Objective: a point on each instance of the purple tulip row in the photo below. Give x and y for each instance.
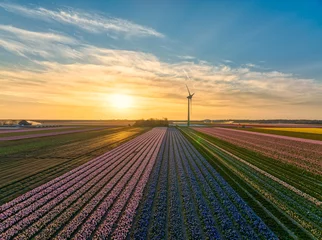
(175, 218)
(244, 220)
(36, 135)
(299, 153)
(158, 185)
(204, 207)
(46, 209)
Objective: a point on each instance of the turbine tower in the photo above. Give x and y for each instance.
(189, 104)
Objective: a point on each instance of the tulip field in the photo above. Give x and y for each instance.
(174, 183)
(96, 199)
(303, 153)
(187, 199)
(29, 163)
(280, 177)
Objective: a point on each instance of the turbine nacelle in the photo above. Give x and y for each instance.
(190, 96)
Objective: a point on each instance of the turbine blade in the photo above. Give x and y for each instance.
(188, 90)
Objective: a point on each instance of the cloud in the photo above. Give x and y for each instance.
(251, 65)
(47, 45)
(68, 71)
(143, 74)
(88, 21)
(186, 57)
(27, 35)
(13, 46)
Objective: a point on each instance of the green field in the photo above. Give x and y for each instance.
(28, 163)
(285, 211)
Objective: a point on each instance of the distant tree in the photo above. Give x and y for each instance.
(152, 122)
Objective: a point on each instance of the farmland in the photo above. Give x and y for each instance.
(284, 190)
(12, 136)
(161, 183)
(28, 163)
(77, 203)
(306, 154)
(187, 199)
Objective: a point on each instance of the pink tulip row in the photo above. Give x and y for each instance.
(69, 193)
(122, 192)
(79, 219)
(299, 153)
(36, 135)
(124, 224)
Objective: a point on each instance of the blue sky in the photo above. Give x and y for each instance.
(249, 59)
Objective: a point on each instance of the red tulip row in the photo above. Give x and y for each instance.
(85, 195)
(299, 152)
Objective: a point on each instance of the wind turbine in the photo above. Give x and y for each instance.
(189, 104)
(189, 98)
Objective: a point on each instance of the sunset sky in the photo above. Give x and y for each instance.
(127, 59)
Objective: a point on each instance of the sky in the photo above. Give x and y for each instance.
(131, 59)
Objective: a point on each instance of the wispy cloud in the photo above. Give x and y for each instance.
(107, 70)
(13, 46)
(91, 22)
(94, 72)
(44, 44)
(27, 35)
(186, 57)
(251, 65)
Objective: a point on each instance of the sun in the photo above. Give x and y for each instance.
(121, 101)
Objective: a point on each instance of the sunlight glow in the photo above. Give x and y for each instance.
(121, 101)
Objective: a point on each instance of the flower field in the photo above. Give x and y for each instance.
(25, 165)
(170, 183)
(285, 194)
(303, 153)
(96, 199)
(187, 199)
